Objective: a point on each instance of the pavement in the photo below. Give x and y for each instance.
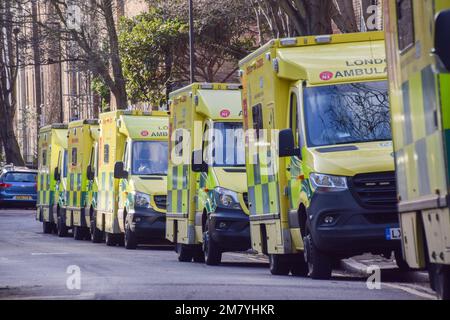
(44, 267)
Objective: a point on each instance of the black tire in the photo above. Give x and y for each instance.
(211, 250)
(47, 227)
(319, 264)
(279, 264)
(184, 254)
(96, 234)
(111, 239)
(63, 231)
(199, 256)
(78, 233)
(131, 242)
(441, 280)
(401, 263)
(299, 267)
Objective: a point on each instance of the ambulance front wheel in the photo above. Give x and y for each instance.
(211, 250)
(79, 233)
(131, 242)
(96, 234)
(319, 264)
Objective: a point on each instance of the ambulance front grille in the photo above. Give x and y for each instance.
(161, 202)
(375, 190)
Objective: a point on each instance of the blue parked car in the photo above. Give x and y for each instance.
(18, 188)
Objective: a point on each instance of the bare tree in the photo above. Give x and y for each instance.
(288, 18)
(88, 29)
(9, 49)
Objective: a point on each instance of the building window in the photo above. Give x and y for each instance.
(405, 24)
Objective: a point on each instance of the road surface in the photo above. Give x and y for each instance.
(38, 266)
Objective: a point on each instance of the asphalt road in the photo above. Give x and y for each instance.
(35, 266)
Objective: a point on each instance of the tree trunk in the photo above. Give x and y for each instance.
(119, 91)
(37, 66)
(8, 77)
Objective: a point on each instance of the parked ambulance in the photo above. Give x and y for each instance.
(207, 187)
(132, 178)
(418, 46)
(52, 173)
(80, 190)
(320, 165)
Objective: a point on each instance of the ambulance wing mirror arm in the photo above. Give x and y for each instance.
(57, 174)
(441, 41)
(119, 171)
(198, 164)
(286, 145)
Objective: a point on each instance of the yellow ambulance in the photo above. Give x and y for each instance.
(52, 148)
(418, 50)
(207, 187)
(320, 165)
(132, 177)
(82, 135)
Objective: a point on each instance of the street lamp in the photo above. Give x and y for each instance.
(191, 41)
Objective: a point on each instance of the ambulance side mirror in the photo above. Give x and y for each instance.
(286, 145)
(198, 165)
(90, 174)
(441, 40)
(119, 171)
(57, 174)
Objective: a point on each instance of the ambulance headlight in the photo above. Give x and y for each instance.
(141, 200)
(227, 199)
(327, 182)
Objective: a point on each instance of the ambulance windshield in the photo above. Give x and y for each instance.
(228, 148)
(347, 113)
(150, 158)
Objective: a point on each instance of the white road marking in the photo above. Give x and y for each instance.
(49, 253)
(410, 291)
(83, 296)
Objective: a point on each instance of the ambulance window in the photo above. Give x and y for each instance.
(179, 143)
(405, 24)
(258, 124)
(126, 155)
(64, 164)
(44, 158)
(74, 156)
(106, 153)
(294, 116)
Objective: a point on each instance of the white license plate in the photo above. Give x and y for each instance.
(393, 234)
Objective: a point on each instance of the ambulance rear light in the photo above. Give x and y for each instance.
(206, 86)
(323, 39)
(240, 73)
(288, 42)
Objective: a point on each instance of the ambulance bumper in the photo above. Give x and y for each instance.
(354, 229)
(230, 229)
(148, 224)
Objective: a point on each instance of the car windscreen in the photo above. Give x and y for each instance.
(347, 113)
(150, 158)
(20, 177)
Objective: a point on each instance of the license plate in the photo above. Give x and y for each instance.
(23, 198)
(393, 234)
